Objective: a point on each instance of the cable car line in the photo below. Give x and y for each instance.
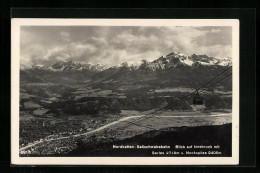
(151, 114)
(217, 82)
(213, 78)
(217, 75)
(205, 89)
(186, 95)
(163, 108)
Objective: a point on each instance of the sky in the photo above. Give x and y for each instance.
(113, 45)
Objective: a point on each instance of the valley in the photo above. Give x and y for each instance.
(68, 105)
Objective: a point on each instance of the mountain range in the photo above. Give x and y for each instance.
(172, 70)
(66, 85)
(170, 61)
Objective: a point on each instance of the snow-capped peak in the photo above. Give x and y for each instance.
(70, 66)
(170, 61)
(174, 60)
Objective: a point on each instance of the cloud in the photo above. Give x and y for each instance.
(65, 36)
(215, 30)
(220, 51)
(114, 45)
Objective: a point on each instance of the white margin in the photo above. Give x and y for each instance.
(15, 78)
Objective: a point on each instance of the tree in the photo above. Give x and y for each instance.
(144, 64)
(125, 64)
(144, 61)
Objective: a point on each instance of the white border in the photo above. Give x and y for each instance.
(15, 78)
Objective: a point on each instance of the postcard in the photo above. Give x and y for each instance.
(124, 91)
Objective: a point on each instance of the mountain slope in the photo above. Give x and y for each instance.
(68, 66)
(170, 61)
(173, 70)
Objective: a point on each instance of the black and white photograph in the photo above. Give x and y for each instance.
(125, 91)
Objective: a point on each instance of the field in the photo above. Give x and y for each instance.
(114, 130)
(57, 118)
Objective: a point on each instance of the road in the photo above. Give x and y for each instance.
(82, 134)
(125, 119)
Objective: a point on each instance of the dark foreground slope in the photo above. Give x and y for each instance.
(185, 136)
